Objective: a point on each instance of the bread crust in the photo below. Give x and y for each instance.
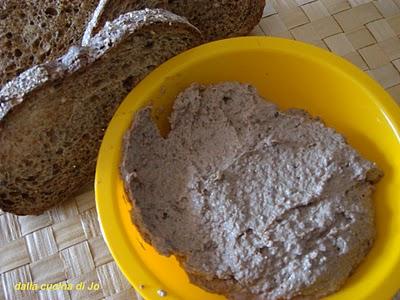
(212, 29)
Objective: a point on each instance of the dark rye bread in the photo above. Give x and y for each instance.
(36, 31)
(216, 19)
(53, 116)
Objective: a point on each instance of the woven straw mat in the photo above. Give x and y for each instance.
(65, 244)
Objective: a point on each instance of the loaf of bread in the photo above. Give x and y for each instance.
(217, 19)
(36, 31)
(53, 116)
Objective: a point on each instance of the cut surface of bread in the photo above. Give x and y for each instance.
(216, 19)
(53, 116)
(36, 31)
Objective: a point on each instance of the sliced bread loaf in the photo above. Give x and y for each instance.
(53, 116)
(36, 31)
(216, 19)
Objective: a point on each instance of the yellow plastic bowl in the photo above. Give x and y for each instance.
(291, 74)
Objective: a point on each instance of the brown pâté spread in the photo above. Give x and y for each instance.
(273, 202)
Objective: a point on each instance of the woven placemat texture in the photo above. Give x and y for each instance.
(65, 245)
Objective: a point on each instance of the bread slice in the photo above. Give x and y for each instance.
(216, 19)
(53, 116)
(36, 31)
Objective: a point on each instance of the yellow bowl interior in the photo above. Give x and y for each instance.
(291, 74)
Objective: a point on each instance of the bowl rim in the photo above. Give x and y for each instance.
(116, 240)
